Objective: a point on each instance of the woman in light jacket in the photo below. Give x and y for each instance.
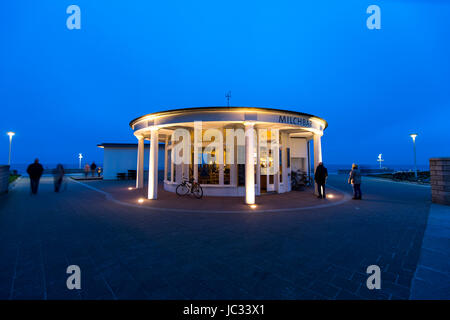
(355, 180)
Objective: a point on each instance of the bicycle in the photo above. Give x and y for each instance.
(190, 186)
(300, 180)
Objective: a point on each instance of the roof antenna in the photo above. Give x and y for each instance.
(228, 96)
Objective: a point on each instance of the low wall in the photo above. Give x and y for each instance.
(440, 180)
(4, 178)
(366, 171)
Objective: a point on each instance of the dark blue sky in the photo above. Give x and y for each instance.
(63, 91)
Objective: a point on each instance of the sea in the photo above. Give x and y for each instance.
(22, 167)
(332, 168)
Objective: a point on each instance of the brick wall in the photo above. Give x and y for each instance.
(4, 178)
(440, 180)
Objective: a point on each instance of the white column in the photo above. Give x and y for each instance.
(275, 146)
(221, 162)
(317, 156)
(198, 147)
(285, 141)
(195, 164)
(166, 161)
(140, 164)
(233, 167)
(308, 160)
(153, 165)
(172, 166)
(258, 163)
(249, 164)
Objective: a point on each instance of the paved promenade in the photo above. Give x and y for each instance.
(131, 252)
(432, 276)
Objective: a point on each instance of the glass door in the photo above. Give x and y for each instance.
(267, 169)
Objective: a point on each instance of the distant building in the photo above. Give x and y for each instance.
(121, 157)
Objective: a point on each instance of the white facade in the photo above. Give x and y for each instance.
(119, 158)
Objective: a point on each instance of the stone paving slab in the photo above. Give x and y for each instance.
(120, 190)
(126, 252)
(432, 277)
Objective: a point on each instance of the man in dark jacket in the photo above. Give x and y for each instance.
(35, 172)
(320, 177)
(93, 167)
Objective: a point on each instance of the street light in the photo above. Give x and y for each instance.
(380, 159)
(80, 156)
(413, 136)
(10, 134)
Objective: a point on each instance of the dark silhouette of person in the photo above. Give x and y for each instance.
(320, 177)
(93, 167)
(35, 171)
(58, 175)
(355, 180)
(87, 168)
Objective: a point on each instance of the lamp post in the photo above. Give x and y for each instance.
(10, 134)
(380, 159)
(80, 156)
(413, 136)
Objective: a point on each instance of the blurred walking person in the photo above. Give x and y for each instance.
(87, 168)
(58, 175)
(93, 167)
(35, 171)
(320, 177)
(355, 180)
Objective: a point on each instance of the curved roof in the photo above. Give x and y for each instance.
(222, 108)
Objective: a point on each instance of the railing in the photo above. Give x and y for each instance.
(4, 178)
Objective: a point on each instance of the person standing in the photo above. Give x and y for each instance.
(93, 167)
(35, 171)
(58, 176)
(87, 168)
(355, 180)
(320, 177)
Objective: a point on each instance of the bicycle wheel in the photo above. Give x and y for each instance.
(182, 189)
(197, 191)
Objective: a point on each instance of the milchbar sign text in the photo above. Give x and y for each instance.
(295, 120)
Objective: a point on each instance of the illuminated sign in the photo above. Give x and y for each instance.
(299, 121)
